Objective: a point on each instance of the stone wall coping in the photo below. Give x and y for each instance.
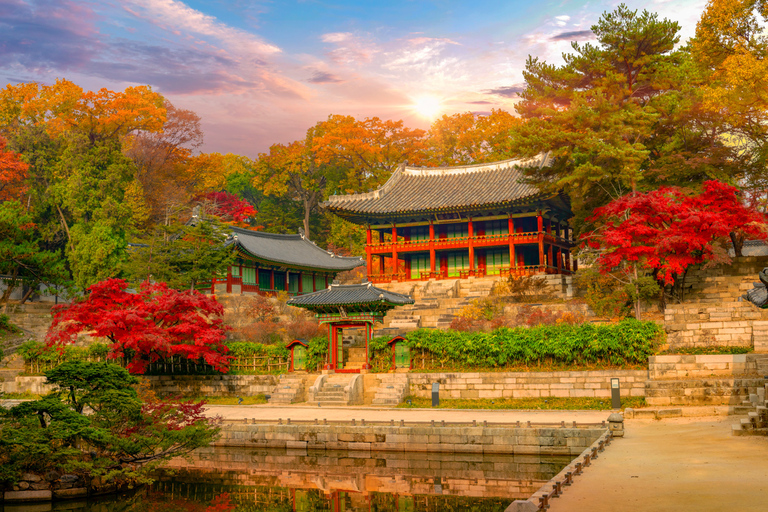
(701, 358)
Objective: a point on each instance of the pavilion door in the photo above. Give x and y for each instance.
(339, 350)
(402, 356)
(299, 357)
(293, 284)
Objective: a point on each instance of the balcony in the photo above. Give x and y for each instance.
(439, 244)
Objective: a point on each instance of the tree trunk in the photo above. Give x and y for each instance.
(10, 286)
(637, 295)
(738, 242)
(307, 210)
(66, 227)
(27, 295)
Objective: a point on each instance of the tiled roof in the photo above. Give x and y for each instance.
(293, 250)
(343, 294)
(415, 189)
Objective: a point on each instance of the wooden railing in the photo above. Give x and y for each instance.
(477, 240)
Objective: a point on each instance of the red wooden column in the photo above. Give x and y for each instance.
(287, 282)
(394, 250)
(301, 283)
(368, 255)
(540, 225)
(559, 260)
(271, 279)
(368, 336)
(549, 260)
(511, 229)
(471, 233)
(314, 288)
(229, 282)
(431, 249)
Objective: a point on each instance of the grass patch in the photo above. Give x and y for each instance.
(701, 351)
(19, 396)
(546, 403)
(226, 400)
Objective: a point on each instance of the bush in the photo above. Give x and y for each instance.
(629, 342)
(606, 295)
(531, 317)
(6, 325)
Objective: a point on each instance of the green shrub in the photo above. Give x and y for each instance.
(626, 343)
(6, 325)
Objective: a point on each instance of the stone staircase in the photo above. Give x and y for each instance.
(756, 409)
(393, 387)
(335, 390)
(289, 390)
(709, 391)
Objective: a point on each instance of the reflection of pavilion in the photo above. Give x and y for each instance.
(349, 307)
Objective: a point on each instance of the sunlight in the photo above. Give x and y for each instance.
(427, 107)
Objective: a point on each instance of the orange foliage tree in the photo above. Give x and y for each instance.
(467, 138)
(13, 172)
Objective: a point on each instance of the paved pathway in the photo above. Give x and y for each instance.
(675, 465)
(268, 412)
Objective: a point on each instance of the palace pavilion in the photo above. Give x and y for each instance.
(456, 222)
(268, 263)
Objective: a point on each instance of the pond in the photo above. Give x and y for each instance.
(250, 480)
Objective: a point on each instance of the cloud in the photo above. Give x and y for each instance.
(576, 35)
(177, 16)
(509, 91)
(323, 77)
(349, 48)
(561, 21)
(43, 34)
(336, 37)
(480, 102)
(424, 40)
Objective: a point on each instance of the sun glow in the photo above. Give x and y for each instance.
(427, 107)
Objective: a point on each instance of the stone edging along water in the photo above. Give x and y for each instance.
(551, 439)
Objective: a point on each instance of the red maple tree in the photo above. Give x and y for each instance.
(666, 231)
(155, 323)
(13, 172)
(228, 207)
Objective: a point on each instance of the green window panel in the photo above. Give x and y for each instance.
(306, 283)
(264, 280)
(457, 230)
(280, 281)
(495, 259)
(419, 264)
(249, 275)
(420, 233)
(235, 271)
(457, 261)
(319, 282)
(293, 283)
(497, 227)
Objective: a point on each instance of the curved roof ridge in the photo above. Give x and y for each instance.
(373, 194)
(540, 159)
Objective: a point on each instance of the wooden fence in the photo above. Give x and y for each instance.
(176, 366)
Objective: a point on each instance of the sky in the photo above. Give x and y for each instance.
(262, 72)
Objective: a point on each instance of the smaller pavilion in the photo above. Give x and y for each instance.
(351, 306)
(269, 263)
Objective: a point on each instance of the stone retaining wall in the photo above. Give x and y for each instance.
(703, 366)
(727, 324)
(701, 391)
(462, 439)
(211, 385)
(591, 384)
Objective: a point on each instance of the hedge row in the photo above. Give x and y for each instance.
(626, 343)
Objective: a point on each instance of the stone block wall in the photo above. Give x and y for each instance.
(723, 283)
(727, 324)
(450, 439)
(592, 384)
(704, 366)
(213, 385)
(712, 391)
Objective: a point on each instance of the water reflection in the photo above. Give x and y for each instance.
(245, 480)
